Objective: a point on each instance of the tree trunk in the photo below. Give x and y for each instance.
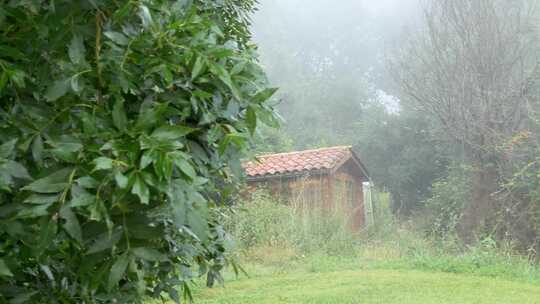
(479, 214)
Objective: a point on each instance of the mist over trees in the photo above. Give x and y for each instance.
(335, 88)
(434, 95)
(328, 61)
(473, 68)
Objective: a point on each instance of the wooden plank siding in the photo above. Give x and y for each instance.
(330, 180)
(340, 191)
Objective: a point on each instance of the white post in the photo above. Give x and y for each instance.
(368, 204)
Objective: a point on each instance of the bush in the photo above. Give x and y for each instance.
(121, 127)
(444, 209)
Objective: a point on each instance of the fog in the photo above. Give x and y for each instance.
(330, 54)
(321, 35)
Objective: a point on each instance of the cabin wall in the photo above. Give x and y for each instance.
(348, 195)
(339, 192)
(300, 192)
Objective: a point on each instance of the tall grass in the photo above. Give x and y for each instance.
(278, 234)
(261, 221)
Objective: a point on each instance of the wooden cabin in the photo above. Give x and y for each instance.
(329, 179)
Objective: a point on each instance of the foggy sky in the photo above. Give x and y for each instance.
(348, 36)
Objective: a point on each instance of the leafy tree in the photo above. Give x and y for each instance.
(470, 67)
(271, 140)
(404, 153)
(121, 128)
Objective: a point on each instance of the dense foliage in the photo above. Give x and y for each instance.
(404, 154)
(121, 128)
(485, 99)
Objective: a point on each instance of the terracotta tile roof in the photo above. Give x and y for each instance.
(297, 162)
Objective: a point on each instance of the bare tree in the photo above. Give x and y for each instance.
(470, 67)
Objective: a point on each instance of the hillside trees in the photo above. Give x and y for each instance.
(121, 128)
(470, 68)
(321, 67)
(403, 152)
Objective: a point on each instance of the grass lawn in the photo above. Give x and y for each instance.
(371, 286)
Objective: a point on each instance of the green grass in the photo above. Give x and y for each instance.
(376, 275)
(310, 260)
(371, 286)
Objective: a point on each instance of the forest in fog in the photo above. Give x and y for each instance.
(440, 101)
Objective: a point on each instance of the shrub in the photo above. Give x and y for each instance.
(120, 121)
(449, 196)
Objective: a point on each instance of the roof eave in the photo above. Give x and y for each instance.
(288, 175)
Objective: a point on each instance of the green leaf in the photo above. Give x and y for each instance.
(251, 120)
(10, 51)
(186, 168)
(15, 169)
(177, 202)
(117, 270)
(37, 149)
(47, 271)
(7, 148)
(121, 179)
(150, 114)
(103, 163)
(264, 95)
(225, 77)
(23, 298)
(71, 225)
(87, 182)
(77, 50)
(238, 68)
(236, 167)
(66, 151)
(169, 133)
(119, 115)
(48, 228)
(198, 225)
(117, 37)
(149, 254)
(105, 241)
(58, 89)
(146, 17)
(17, 77)
(4, 270)
(53, 183)
(33, 212)
(146, 159)
(75, 85)
(39, 199)
(197, 68)
(81, 198)
(197, 220)
(141, 190)
(98, 212)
